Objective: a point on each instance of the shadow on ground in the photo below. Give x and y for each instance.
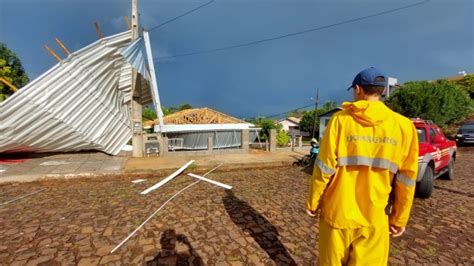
(259, 228)
(176, 250)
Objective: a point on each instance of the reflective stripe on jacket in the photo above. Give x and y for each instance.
(363, 147)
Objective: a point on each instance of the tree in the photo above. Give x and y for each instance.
(308, 119)
(442, 102)
(185, 106)
(148, 114)
(266, 124)
(11, 70)
(328, 106)
(174, 109)
(166, 111)
(467, 83)
(295, 113)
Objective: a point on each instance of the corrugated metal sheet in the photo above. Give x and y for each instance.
(135, 56)
(82, 103)
(198, 140)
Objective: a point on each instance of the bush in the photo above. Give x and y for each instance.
(441, 101)
(467, 84)
(307, 121)
(266, 125)
(282, 138)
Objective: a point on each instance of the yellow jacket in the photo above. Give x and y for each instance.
(363, 147)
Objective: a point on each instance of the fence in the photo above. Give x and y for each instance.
(190, 141)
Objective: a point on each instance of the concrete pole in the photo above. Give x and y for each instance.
(210, 145)
(245, 141)
(273, 144)
(163, 146)
(137, 124)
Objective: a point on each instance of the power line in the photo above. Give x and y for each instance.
(294, 33)
(180, 16)
(295, 109)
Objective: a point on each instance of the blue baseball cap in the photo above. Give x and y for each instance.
(371, 77)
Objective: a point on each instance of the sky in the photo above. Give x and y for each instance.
(425, 42)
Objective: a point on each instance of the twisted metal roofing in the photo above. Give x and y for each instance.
(82, 103)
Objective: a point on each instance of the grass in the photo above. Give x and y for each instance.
(394, 251)
(430, 251)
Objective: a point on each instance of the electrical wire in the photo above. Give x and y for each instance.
(180, 16)
(293, 33)
(161, 207)
(296, 109)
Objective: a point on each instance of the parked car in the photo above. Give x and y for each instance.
(436, 156)
(465, 134)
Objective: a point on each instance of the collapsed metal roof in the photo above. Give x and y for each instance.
(82, 103)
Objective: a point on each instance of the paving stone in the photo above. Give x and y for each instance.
(18, 263)
(49, 251)
(108, 231)
(87, 230)
(148, 249)
(253, 259)
(45, 242)
(89, 261)
(25, 256)
(40, 260)
(145, 241)
(102, 251)
(241, 241)
(109, 258)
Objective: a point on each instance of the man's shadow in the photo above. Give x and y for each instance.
(170, 256)
(259, 228)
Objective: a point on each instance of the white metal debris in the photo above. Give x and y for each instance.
(210, 181)
(162, 206)
(166, 180)
(82, 103)
(24, 196)
(75, 105)
(154, 85)
(138, 181)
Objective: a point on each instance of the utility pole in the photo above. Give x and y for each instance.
(316, 103)
(137, 124)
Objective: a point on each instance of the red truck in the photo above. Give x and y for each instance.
(436, 156)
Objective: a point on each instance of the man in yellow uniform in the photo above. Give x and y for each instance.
(367, 150)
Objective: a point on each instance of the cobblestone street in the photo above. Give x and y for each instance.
(261, 221)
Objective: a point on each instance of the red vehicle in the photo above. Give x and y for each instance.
(436, 157)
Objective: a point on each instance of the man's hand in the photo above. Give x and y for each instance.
(311, 213)
(396, 231)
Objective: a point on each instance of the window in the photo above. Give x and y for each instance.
(467, 127)
(421, 134)
(432, 135)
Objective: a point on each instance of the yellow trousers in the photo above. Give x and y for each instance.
(354, 246)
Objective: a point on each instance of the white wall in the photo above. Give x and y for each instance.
(286, 124)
